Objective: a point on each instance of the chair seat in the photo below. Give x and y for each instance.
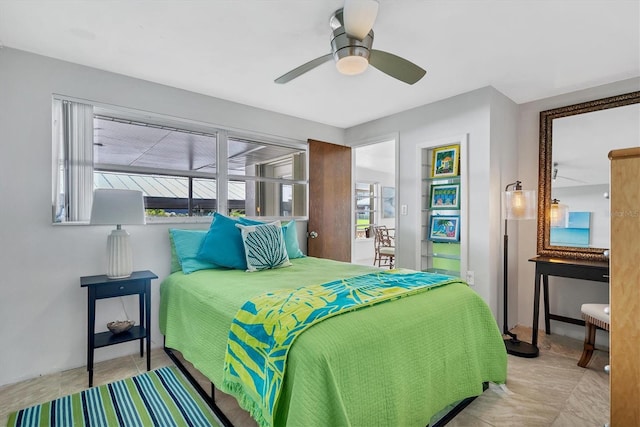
(386, 250)
(596, 314)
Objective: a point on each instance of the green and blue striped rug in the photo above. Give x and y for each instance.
(157, 398)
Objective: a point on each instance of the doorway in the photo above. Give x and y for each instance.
(375, 196)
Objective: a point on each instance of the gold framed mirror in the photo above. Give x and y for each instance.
(598, 130)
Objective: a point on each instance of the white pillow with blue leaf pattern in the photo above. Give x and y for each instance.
(264, 246)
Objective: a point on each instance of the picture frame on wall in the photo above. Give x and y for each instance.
(446, 161)
(444, 228)
(444, 196)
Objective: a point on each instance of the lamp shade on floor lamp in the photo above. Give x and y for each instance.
(118, 207)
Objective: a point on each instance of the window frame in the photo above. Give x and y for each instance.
(221, 176)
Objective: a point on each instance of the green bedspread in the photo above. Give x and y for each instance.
(390, 364)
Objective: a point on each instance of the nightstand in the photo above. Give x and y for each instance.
(100, 287)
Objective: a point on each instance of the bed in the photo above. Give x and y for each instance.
(393, 363)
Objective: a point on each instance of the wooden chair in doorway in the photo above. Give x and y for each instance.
(385, 251)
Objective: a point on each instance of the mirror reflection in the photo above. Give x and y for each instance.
(573, 175)
(580, 172)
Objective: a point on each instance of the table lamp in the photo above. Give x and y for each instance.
(517, 204)
(118, 207)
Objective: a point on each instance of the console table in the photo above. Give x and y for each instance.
(597, 271)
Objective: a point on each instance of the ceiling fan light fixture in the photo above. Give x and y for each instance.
(359, 16)
(352, 65)
(351, 49)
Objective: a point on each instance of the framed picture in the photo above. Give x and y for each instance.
(445, 161)
(445, 196)
(388, 202)
(444, 228)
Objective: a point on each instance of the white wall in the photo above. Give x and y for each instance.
(566, 295)
(470, 113)
(504, 170)
(42, 307)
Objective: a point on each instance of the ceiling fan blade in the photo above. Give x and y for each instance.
(359, 16)
(296, 72)
(395, 66)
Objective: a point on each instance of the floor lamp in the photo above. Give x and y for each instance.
(517, 204)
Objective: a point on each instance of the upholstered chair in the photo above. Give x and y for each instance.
(595, 316)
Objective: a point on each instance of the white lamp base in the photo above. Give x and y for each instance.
(119, 255)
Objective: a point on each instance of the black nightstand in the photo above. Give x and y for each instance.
(101, 287)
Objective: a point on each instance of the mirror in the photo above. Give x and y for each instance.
(573, 169)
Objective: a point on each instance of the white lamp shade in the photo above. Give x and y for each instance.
(116, 207)
(359, 16)
(519, 204)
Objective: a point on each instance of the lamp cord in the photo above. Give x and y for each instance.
(124, 309)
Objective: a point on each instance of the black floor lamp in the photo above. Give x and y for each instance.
(517, 204)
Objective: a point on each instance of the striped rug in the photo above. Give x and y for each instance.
(157, 398)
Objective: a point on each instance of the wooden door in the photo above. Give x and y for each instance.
(624, 290)
(329, 201)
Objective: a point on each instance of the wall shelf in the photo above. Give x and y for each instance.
(448, 258)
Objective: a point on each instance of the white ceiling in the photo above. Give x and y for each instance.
(234, 49)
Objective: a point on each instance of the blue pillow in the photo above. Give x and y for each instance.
(264, 246)
(187, 244)
(175, 261)
(290, 236)
(222, 244)
(291, 240)
(247, 221)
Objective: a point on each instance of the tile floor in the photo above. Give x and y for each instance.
(550, 390)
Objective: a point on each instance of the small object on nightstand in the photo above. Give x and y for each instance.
(119, 326)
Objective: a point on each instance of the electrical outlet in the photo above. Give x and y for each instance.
(471, 278)
(404, 210)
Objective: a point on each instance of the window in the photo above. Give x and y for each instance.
(366, 202)
(286, 199)
(174, 163)
(274, 177)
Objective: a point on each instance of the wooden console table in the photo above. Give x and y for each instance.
(597, 271)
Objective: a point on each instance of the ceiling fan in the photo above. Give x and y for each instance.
(555, 176)
(351, 42)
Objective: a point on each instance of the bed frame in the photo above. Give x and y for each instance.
(225, 421)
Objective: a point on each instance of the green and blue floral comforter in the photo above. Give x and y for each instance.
(395, 363)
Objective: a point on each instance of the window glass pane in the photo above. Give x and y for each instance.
(272, 199)
(236, 198)
(204, 200)
(149, 146)
(164, 195)
(286, 199)
(255, 159)
(365, 208)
